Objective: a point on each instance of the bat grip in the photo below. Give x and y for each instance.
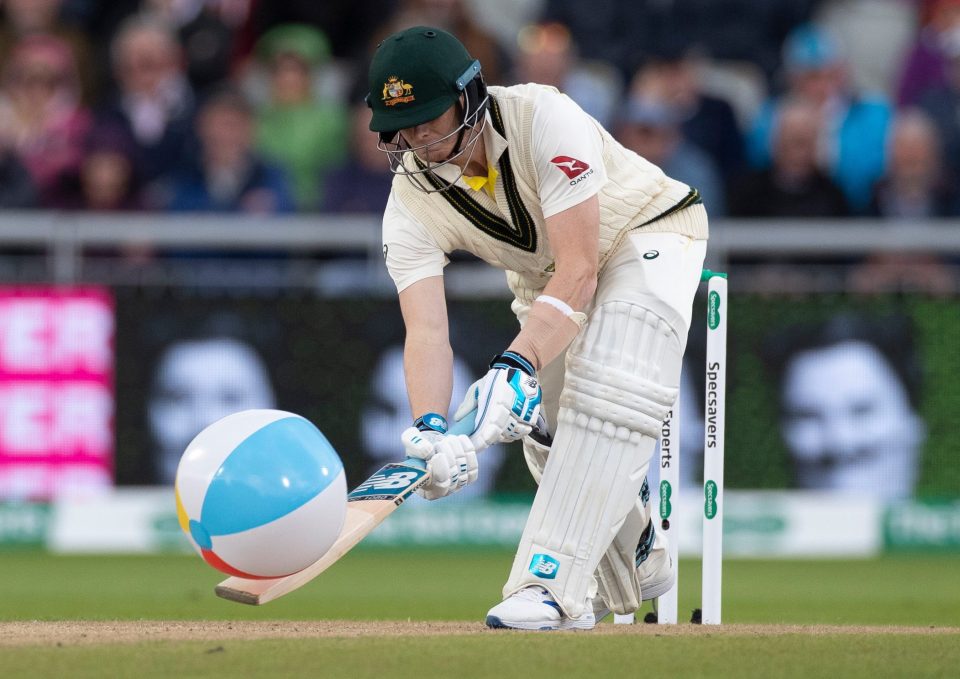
(461, 426)
(465, 426)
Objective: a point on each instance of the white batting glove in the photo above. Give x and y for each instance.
(451, 460)
(418, 443)
(453, 466)
(507, 400)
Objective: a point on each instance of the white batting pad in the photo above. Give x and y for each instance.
(617, 572)
(622, 376)
(536, 455)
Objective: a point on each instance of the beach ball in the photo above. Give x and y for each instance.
(261, 494)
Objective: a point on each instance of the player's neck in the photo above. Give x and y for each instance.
(474, 161)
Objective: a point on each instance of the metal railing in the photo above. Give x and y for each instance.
(343, 253)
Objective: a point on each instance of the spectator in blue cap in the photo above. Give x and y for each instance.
(853, 126)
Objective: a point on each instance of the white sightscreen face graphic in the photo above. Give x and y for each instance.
(198, 382)
(848, 421)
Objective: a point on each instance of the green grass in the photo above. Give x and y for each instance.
(374, 584)
(378, 584)
(506, 656)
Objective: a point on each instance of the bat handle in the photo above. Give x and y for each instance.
(465, 426)
(461, 426)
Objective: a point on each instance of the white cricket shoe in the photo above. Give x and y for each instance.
(533, 608)
(656, 571)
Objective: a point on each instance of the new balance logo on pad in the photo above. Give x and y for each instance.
(544, 566)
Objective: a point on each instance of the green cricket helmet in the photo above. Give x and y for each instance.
(415, 76)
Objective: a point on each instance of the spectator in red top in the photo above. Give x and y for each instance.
(41, 117)
(31, 17)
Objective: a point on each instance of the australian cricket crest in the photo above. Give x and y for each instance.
(395, 91)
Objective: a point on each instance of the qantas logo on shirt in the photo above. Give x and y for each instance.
(576, 170)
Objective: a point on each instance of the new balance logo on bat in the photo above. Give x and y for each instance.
(389, 482)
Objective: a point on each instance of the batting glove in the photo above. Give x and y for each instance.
(453, 466)
(507, 400)
(451, 460)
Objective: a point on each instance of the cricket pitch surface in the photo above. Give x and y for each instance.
(42, 633)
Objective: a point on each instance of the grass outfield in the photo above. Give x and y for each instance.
(377, 584)
(383, 584)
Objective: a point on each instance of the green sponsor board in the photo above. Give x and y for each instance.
(768, 525)
(926, 526)
(23, 524)
(166, 533)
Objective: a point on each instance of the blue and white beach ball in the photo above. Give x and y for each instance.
(261, 494)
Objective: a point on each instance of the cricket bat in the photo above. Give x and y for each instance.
(367, 506)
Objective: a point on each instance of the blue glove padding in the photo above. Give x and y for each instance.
(507, 400)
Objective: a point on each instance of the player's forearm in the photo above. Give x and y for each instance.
(574, 283)
(556, 316)
(427, 356)
(574, 236)
(428, 367)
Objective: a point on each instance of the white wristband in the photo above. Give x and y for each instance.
(577, 317)
(557, 304)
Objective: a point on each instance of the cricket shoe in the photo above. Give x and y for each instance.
(656, 571)
(534, 608)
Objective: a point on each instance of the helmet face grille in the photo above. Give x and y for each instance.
(413, 162)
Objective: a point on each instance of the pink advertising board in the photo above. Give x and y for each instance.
(56, 392)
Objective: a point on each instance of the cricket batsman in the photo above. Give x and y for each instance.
(603, 254)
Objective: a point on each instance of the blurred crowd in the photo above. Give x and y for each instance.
(781, 108)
